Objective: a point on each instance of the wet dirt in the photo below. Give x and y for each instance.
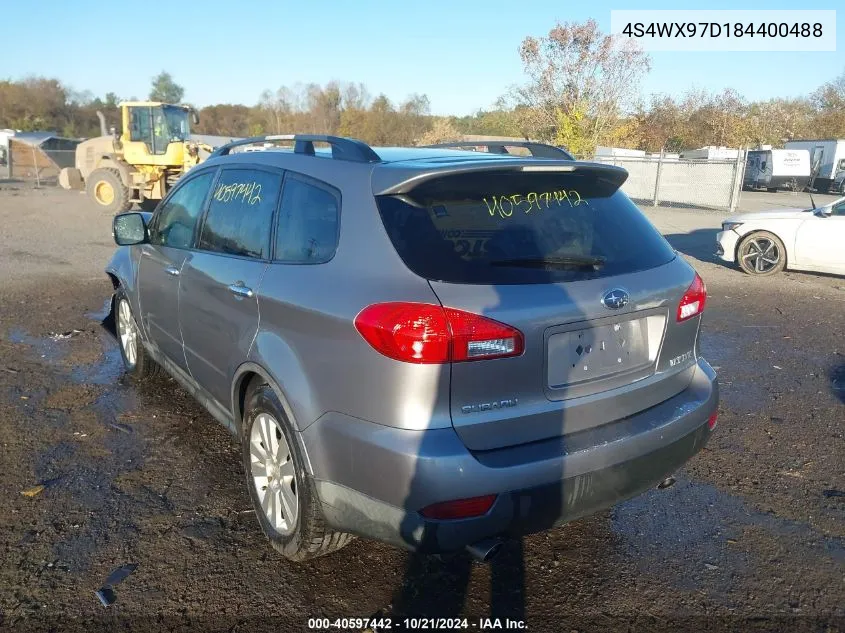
(748, 538)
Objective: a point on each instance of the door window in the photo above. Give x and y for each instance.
(307, 231)
(240, 213)
(139, 126)
(177, 217)
(838, 209)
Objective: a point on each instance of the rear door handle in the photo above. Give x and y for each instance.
(241, 291)
(172, 270)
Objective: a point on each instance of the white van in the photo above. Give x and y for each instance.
(775, 169)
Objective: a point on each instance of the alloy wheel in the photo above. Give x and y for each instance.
(128, 333)
(762, 254)
(273, 474)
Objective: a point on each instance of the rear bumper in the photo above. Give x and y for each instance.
(372, 480)
(726, 242)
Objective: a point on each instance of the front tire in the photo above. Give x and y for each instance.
(107, 190)
(282, 493)
(137, 363)
(762, 254)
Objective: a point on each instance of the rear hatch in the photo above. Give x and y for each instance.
(571, 268)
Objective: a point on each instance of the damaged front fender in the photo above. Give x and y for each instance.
(122, 270)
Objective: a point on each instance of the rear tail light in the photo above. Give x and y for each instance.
(692, 303)
(712, 420)
(427, 333)
(460, 508)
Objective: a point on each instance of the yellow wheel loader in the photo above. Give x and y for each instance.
(141, 163)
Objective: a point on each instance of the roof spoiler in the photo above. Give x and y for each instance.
(538, 150)
(413, 178)
(348, 149)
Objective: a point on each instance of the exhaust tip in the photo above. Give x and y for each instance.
(484, 551)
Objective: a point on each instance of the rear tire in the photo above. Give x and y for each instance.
(283, 495)
(107, 190)
(137, 363)
(761, 253)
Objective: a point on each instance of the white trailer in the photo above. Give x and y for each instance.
(827, 159)
(619, 152)
(775, 169)
(711, 152)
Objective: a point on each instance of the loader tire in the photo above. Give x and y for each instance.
(71, 178)
(107, 190)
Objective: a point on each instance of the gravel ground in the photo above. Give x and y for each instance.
(751, 537)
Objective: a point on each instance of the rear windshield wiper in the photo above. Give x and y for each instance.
(551, 262)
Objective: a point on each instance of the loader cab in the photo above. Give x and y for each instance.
(155, 132)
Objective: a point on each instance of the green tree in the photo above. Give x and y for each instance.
(165, 89)
(573, 131)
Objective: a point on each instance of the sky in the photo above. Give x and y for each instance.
(463, 54)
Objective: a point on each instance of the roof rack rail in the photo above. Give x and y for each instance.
(342, 148)
(538, 150)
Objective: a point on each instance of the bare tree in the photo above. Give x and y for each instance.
(829, 103)
(577, 68)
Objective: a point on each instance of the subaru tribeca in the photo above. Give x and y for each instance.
(431, 347)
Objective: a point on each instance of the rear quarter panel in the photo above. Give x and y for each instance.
(308, 343)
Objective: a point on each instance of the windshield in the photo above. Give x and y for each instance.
(174, 122)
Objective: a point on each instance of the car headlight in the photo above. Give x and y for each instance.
(730, 226)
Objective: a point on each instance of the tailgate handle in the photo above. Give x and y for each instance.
(240, 290)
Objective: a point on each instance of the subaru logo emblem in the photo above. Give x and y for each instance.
(615, 299)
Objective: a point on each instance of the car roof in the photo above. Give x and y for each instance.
(397, 170)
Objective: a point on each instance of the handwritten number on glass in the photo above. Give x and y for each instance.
(245, 192)
(505, 206)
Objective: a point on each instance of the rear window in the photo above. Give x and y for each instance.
(517, 228)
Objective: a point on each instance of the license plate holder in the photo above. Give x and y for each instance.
(596, 352)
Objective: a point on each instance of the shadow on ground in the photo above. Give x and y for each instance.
(837, 381)
(700, 244)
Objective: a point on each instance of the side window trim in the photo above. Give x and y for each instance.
(193, 176)
(241, 167)
(195, 242)
(320, 184)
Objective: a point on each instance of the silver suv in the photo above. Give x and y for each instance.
(431, 347)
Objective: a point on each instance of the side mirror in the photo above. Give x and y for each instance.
(129, 229)
(195, 118)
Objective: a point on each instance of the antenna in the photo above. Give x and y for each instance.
(813, 202)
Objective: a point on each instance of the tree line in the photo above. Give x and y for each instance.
(581, 89)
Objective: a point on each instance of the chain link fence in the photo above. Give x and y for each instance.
(34, 164)
(657, 181)
(678, 182)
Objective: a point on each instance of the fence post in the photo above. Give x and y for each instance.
(35, 166)
(657, 178)
(736, 184)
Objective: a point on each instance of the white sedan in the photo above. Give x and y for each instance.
(766, 242)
